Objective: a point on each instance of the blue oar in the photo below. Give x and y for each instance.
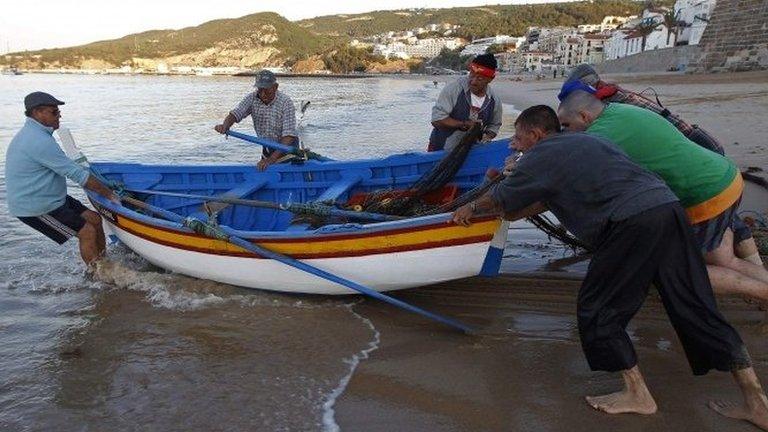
(277, 146)
(298, 208)
(224, 233)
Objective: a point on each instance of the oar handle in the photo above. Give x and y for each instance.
(226, 234)
(276, 145)
(321, 209)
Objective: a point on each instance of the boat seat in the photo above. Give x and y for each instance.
(340, 188)
(241, 191)
(349, 180)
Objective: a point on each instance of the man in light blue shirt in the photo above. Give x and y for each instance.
(35, 173)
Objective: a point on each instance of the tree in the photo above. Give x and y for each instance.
(644, 29)
(672, 24)
(497, 48)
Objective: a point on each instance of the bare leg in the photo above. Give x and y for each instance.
(89, 248)
(635, 398)
(754, 409)
(94, 219)
(747, 250)
(726, 281)
(723, 257)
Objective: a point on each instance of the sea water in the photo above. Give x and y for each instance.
(142, 349)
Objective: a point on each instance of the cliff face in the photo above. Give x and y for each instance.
(264, 39)
(736, 37)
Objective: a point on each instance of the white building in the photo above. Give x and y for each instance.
(480, 46)
(592, 48)
(431, 47)
(535, 60)
(627, 40)
(546, 39)
(616, 45)
(695, 14)
(391, 50)
(610, 22)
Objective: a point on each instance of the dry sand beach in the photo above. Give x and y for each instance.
(526, 371)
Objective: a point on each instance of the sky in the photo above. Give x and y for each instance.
(36, 24)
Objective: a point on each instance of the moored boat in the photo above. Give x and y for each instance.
(385, 256)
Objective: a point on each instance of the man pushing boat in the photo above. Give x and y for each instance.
(273, 114)
(640, 235)
(744, 243)
(36, 170)
(708, 185)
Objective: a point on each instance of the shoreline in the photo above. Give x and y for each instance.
(526, 371)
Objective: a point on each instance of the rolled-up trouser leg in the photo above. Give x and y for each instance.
(613, 290)
(708, 340)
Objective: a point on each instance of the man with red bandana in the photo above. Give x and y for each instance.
(465, 102)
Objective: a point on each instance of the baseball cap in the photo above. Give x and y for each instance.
(584, 73)
(572, 86)
(265, 79)
(36, 99)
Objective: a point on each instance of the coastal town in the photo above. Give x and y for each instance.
(536, 215)
(541, 51)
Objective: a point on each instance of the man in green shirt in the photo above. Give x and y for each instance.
(708, 185)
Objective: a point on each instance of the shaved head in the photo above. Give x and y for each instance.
(579, 110)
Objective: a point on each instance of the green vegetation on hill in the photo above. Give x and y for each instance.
(476, 22)
(321, 36)
(266, 29)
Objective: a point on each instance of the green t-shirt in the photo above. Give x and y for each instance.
(694, 173)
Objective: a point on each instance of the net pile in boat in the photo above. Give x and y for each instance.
(411, 201)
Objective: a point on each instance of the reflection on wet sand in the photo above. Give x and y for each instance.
(247, 365)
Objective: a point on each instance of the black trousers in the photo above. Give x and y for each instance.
(655, 246)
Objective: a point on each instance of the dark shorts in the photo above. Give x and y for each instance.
(60, 224)
(709, 234)
(740, 229)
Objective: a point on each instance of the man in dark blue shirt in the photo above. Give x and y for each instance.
(640, 235)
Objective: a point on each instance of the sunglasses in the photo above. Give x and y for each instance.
(54, 111)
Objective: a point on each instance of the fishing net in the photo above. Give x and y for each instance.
(411, 201)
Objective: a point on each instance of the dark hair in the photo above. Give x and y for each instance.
(539, 116)
(28, 113)
(487, 60)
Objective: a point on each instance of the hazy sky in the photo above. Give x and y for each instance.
(35, 24)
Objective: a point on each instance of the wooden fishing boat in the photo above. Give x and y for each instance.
(382, 255)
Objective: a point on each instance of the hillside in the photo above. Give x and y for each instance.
(258, 39)
(268, 39)
(476, 22)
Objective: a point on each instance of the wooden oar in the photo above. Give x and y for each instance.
(278, 146)
(224, 233)
(315, 209)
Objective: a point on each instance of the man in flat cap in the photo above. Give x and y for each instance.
(36, 170)
(273, 114)
(465, 102)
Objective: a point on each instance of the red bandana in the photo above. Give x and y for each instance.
(482, 70)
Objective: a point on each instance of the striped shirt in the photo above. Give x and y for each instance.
(271, 121)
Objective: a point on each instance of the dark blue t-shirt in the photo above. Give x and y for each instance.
(585, 180)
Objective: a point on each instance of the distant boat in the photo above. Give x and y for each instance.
(11, 71)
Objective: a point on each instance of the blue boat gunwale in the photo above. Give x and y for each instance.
(325, 230)
(313, 166)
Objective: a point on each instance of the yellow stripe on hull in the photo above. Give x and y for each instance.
(330, 245)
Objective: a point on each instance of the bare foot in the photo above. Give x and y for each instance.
(623, 402)
(755, 413)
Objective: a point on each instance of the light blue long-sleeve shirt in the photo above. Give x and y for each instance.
(35, 171)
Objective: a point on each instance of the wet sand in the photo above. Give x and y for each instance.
(525, 371)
